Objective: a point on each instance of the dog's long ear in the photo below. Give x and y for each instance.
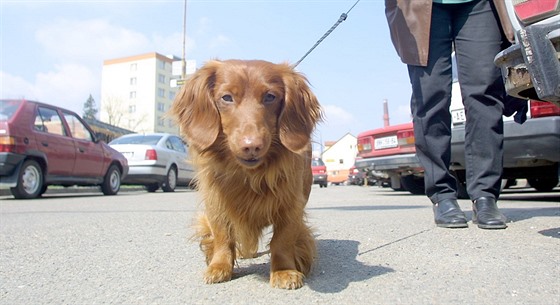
(195, 110)
(300, 114)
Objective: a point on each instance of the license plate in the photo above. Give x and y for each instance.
(127, 154)
(386, 142)
(458, 116)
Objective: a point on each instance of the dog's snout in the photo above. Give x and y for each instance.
(252, 146)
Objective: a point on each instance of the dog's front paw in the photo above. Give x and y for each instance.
(286, 279)
(217, 273)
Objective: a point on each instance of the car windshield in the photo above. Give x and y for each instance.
(139, 139)
(8, 108)
(317, 162)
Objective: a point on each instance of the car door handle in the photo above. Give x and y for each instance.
(81, 150)
(46, 144)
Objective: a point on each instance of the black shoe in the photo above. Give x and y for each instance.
(448, 214)
(487, 215)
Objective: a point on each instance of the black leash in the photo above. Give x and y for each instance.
(339, 21)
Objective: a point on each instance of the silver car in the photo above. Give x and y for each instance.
(155, 160)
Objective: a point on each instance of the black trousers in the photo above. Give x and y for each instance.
(473, 30)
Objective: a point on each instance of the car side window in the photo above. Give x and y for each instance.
(77, 128)
(168, 144)
(178, 144)
(48, 120)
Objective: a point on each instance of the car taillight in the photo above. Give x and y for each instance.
(530, 11)
(542, 109)
(7, 144)
(405, 138)
(364, 145)
(151, 154)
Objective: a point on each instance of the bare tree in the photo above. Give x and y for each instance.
(115, 109)
(120, 113)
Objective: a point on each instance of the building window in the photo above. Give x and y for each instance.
(133, 81)
(162, 64)
(161, 78)
(160, 107)
(170, 123)
(133, 67)
(171, 95)
(161, 92)
(132, 94)
(161, 121)
(132, 109)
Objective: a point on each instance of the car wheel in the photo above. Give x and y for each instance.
(151, 187)
(413, 184)
(462, 190)
(543, 184)
(112, 181)
(43, 189)
(170, 181)
(30, 181)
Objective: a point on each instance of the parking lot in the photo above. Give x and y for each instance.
(375, 246)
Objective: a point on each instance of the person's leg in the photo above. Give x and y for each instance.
(431, 97)
(478, 40)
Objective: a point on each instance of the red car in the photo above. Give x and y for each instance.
(43, 145)
(319, 172)
(530, 151)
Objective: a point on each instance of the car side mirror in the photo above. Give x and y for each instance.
(100, 137)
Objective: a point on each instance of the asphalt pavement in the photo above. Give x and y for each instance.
(375, 246)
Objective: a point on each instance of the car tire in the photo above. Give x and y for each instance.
(43, 189)
(462, 190)
(151, 188)
(112, 181)
(543, 184)
(30, 181)
(413, 184)
(170, 182)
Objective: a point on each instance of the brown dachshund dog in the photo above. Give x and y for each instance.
(248, 125)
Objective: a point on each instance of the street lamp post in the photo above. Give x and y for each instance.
(183, 61)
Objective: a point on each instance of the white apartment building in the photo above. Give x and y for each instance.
(136, 93)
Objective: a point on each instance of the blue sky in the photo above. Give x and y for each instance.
(53, 51)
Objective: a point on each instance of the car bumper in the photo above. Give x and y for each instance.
(9, 164)
(531, 144)
(143, 174)
(398, 163)
(533, 71)
(319, 179)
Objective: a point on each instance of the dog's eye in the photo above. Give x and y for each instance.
(269, 98)
(227, 98)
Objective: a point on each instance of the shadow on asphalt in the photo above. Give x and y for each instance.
(530, 196)
(554, 232)
(337, 266)
(369, 207)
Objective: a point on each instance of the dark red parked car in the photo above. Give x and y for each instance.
(43, 145)
(319, 172)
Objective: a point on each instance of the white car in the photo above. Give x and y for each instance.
(155, 160)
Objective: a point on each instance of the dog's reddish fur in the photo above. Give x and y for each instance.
(249, 124)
